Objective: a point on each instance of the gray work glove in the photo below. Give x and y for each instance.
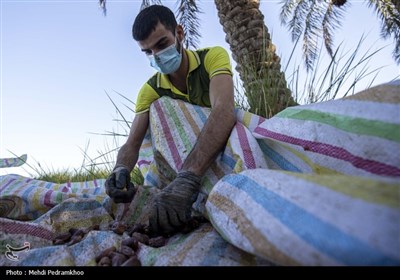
(118, 185)
(173, 205)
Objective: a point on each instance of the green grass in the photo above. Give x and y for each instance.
(337, 79)
(68, 175)
(98, 167)
(82, 174)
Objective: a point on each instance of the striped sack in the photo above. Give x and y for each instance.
(292, 218)
(332, 193)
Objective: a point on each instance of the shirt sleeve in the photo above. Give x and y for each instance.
(217, 62)
(146, 96)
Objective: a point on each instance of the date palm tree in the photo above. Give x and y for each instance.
(257, 62)
(316, 18)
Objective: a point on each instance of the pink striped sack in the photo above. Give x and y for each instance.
(347, 150)
(13, 162)
(315, 185)
(175, 126)
(60, 207)
(332, 193)
(294, 218)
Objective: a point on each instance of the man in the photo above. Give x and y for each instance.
(200, 77)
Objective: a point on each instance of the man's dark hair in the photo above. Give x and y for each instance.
(148, 18)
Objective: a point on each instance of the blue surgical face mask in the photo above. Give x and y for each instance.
(166, 61)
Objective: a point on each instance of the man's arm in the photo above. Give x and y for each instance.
(217, 129)
(172, 207)
(118, 184)
(129, 152)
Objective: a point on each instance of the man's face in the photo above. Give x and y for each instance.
(158, 40)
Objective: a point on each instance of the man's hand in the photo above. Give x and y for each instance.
(118, 185)
(173, 205)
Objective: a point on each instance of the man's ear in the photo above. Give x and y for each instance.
(180, 33)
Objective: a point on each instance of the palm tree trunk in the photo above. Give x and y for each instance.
(257, 62)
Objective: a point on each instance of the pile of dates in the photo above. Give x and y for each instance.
(74, 235)
(127, 254)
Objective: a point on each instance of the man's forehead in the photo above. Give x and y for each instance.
(160, 27)
(159, 32)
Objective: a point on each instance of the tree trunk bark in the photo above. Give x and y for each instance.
(257, 62)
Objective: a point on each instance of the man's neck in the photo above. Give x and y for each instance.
(178, 78)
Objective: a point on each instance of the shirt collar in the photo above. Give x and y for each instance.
(194, 62)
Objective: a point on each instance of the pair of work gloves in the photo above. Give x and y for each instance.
(172, 206)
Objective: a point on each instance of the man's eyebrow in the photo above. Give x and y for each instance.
(158, 42)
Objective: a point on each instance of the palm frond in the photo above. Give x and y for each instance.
(389, 14)
(287, 10)
(102, 5)
(296, 24)
(188, 17)
(146, 3)
(312, 19)
(332, 20)
(396, 52)
(312, 30)
(396, 3)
